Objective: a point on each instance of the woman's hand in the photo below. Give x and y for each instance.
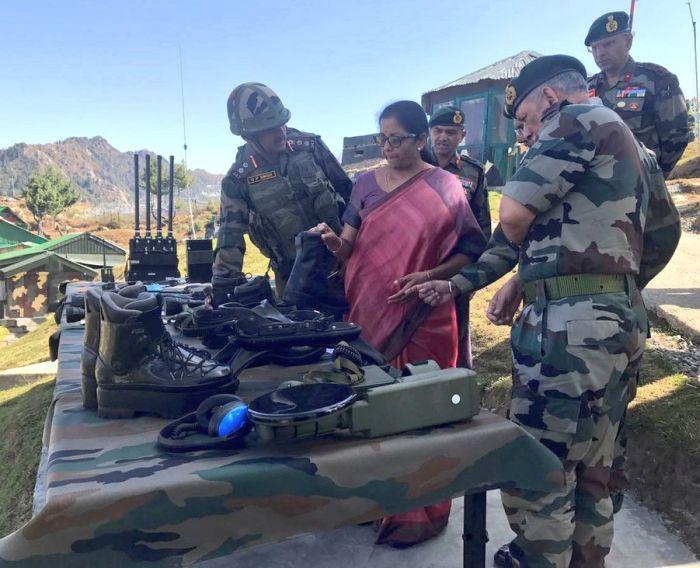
(409, 287)
(505, 303)
(332, 241)
(436, 292)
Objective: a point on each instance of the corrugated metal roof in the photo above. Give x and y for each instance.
(504, 69)
(57, 244)
(11, 233)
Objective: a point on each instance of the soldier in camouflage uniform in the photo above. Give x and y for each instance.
(575, 216)
(283, 182)
(650, 101)
(446, 133)
(645, 95)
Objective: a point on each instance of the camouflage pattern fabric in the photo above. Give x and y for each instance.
(114, 499)
(662, 230)
(573, 357)
(275, 202)
(589, 192)
(471, 175)
(650, 101)
(500, 257)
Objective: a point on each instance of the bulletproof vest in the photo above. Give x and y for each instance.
(287, 198)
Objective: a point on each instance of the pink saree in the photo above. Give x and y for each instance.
(414, 228)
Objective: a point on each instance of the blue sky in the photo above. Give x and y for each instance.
(110, 68)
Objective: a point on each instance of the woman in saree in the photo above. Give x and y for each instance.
(407, 223)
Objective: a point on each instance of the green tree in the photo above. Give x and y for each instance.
(182, 179)
(48, 192)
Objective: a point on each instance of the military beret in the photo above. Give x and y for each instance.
(447, 116)
(607, 25)
(535, 73)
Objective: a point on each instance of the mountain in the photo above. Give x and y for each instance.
(104, 175)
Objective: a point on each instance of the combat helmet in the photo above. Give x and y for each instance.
(254, 107)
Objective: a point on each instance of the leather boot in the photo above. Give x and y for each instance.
(141, 369)
(88, 386)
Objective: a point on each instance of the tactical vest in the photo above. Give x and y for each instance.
(287, 198)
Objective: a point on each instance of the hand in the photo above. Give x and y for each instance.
(408, 287)
(505, 303)
(436, 292)
(328, 236)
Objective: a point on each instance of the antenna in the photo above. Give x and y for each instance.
(184, 142)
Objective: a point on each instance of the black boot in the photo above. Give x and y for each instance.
(91, 344)
(141, 369)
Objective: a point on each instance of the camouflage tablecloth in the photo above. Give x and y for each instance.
(114, 499)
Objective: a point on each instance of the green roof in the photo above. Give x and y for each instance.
(11, 233)
(58, 243)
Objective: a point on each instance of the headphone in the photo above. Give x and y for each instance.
(222, 415)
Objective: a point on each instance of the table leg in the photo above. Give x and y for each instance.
(474, 537)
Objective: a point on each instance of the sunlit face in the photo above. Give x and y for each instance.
(408, 152)
(444, 139)
(610, 54)
(528, 120)
(272, 141)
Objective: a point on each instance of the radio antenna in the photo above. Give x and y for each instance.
(184, 142)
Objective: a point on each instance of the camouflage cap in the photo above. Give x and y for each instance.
(607, 25)
(254, 107)
(447, 116)
(534, 74)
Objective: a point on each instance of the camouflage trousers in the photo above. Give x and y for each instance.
(573, 360)
(619, 479)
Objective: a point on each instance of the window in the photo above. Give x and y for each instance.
(499, 125)
(474, 120)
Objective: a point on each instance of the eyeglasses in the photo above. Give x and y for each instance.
(394, 140)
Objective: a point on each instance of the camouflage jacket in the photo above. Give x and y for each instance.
(275, 202)
(650, 101)
(471, 174)
(558, 242)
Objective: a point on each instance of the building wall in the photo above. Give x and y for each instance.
(29, 294)
(359, 148)
(489, 135)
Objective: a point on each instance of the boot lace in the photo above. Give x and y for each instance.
(183, 360)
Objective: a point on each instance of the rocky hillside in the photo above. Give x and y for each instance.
(104, 175)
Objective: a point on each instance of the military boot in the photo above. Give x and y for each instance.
(140, 368)
(88, 386)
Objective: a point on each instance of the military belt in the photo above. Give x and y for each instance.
(558, 287)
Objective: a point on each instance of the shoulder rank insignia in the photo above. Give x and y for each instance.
(591, 93)
(611, 24)
(262, 177)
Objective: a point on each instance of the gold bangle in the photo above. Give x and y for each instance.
(427, 273)
(338, 249)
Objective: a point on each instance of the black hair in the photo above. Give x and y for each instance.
(411, 116)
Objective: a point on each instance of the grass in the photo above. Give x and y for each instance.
(31, 348)
(22, 415)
